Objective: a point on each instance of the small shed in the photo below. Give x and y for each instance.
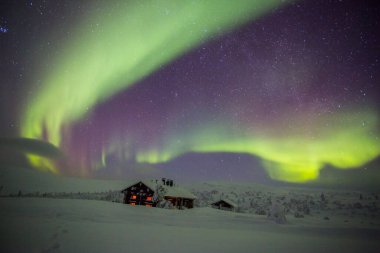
(224, 204)
(150, 192)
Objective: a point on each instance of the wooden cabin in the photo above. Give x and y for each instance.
(150, 192)
(224, 204)
(139, 194)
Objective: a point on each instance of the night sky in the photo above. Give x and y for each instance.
(194, 89)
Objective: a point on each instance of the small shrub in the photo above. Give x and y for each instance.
(277, 214)
(260, 212)
(298, 215)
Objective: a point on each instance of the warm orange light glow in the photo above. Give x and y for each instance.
(149, 205)
(133, 204)
(149, 198)
(134, 197)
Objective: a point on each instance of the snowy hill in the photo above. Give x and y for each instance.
(17, 179)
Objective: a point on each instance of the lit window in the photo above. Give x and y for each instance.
(149, 198)
(148, 205)
(133, 196)
(133, 204)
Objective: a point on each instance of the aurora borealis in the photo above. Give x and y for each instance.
(142, 83)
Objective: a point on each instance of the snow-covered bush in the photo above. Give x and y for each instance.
(159, 194)
(166, 204)
(277, 213)
(260, 211)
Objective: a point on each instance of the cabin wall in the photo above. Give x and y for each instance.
(139, 194)
(188, 203)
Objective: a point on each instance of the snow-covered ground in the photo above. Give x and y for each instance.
(338, 221)
(56, 225)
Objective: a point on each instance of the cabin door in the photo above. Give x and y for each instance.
(140, 200)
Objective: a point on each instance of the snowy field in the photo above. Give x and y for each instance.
(340, 221)
(57, 225)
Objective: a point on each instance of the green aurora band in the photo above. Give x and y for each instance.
(119, 45)
(345, 140)
(109, 53)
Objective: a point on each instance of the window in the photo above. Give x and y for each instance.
(149, 198)
(148, 205)
(133, 204)
(133, 197)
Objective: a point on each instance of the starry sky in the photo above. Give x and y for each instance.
(276, 90)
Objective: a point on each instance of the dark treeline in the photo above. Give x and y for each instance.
(113, 196)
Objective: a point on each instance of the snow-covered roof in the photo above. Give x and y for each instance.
(228, 201)
(150, 183)
(170, 191)
(175, 191)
